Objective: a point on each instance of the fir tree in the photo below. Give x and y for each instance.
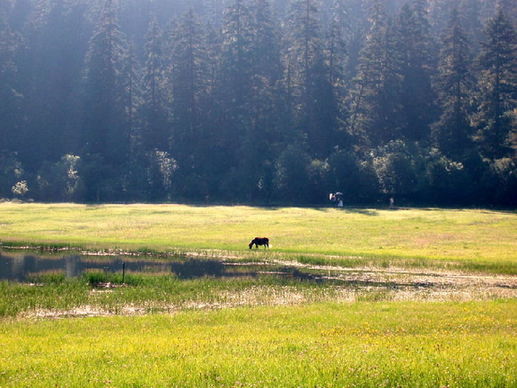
(236, 61)
(265, 43)
(190, 80)
(375, 112)
(233, 89)
(498, 86)
(313, 97)
(370, 75)
(52, 80)
(263, 134)
(415, 47)
(155, 134)
(10, 97)
(452, 133)
(105, 126)
(105, 121)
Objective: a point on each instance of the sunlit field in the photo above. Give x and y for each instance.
(476, 239)
(344, 298)
(321, 345)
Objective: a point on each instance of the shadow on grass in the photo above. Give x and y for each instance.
(365, 212)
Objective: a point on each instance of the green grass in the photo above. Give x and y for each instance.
(365, 344)
(54, 293)
(300, 337)
(472, 239)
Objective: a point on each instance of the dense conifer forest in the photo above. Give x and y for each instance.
(259, 101)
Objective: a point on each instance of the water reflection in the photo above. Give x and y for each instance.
(21, 267)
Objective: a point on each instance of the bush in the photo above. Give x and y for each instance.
(59, 181)
(400, 169)
(448, 181)
(291, 174)
(11, 173)
(353, 177)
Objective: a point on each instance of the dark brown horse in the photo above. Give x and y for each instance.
(259, 241)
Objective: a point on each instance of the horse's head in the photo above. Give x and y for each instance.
(251, 243)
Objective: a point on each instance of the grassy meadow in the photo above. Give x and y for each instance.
(421, 298)
(472, 238)
(323, 345)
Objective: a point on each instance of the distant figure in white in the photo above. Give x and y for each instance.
(337, 198)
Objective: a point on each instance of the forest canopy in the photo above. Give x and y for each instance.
(259, 101)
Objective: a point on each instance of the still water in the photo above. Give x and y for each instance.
(22, 266)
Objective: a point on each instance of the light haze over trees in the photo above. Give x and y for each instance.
(259, 101)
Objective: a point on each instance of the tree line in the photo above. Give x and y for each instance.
(259, 101)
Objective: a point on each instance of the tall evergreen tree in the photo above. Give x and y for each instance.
(336, 46)
(10, 97)
(265, 43)
(263, 134)
(452, 133)
(304, 46)
(370, 75)
(338, 58)
(105, 121)
(416, 49)
(313, 97)
(52, 80)
(236, 61)
(105, 125)
(470, 14)
(497, 86)
(190, 84)
(375, 112)
(155, 132)
(233, 89)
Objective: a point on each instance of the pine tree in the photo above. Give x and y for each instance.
(470, 11)
(352, 16)
(155, 133)
(190, 80)
(498, 87)
(265, 43)
(314, 101)
(105, 121)
(52, 78)
(232, 92)
(305, 46)
(375, 112)
(264, 110)
(336, 47)
(370, 75)
(452, 133)
(106, 134)
(337, 58)
(10, 97)
(416, 50)
(236, 61)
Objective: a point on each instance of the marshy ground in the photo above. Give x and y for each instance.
(104, 285)
(170, 295)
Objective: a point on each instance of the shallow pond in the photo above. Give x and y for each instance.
(15, 266)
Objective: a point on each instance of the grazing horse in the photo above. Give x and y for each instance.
(259, 241)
